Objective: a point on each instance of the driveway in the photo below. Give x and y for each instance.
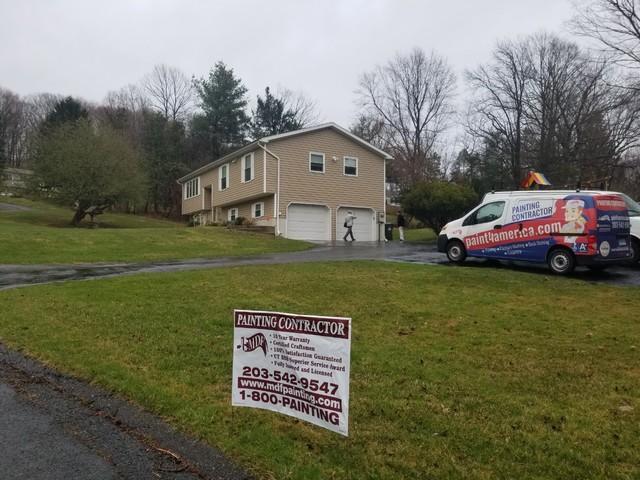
(53, 427)
(13, 276)
(10, 207)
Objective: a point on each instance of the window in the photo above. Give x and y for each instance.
(232, 214)
(192, 188)
(632, 206)
(316, 162)
(223, 177)
(350, 166)
(247, 168)
(485, 214)
(258, 209)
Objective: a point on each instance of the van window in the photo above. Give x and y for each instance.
(632, 206)
(486, 213)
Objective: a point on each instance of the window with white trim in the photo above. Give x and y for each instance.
(316, 162)
(248, 172)
(350, 166)
(257, 209)
(223, 177)
(232, 214)
(192, 188)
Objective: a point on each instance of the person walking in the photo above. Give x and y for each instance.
(348, 224)
(401, 223)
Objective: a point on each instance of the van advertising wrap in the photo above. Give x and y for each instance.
(532, 226)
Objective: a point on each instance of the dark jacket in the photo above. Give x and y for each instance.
(400, 220)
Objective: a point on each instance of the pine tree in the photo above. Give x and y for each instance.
(223, 124)
(273, 117)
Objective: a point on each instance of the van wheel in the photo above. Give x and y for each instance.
(561, 261)
(635, 250)
(456, 252)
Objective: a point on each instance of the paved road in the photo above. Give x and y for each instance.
(13, 276)
(55, 427)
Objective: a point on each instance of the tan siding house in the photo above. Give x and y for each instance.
(301, 183)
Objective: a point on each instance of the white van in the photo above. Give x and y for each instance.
(561, 228)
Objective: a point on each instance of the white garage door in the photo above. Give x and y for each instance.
(308, 222)
(363, 226)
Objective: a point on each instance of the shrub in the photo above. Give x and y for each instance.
(436, 203)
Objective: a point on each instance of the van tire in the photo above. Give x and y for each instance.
(456, 252)
(635, 250)
(561, 261)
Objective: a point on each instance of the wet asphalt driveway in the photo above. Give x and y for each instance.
(13, 276)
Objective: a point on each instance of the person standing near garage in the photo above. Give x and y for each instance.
(348, 224)
(401, 223)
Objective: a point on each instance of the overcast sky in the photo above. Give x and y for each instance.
(86, 48)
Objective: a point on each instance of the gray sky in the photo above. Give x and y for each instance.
(86, 48)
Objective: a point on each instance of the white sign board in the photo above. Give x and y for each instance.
(293, 364)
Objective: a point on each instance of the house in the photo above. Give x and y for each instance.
(300, 183)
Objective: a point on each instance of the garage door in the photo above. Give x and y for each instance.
(308, 222)
(363, 225)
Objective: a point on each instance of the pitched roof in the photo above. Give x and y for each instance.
(265, 140)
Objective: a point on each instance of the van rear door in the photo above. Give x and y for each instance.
(613, 227)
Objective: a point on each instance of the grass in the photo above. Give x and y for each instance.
(43, 235)
(416, 235)
(456, 372)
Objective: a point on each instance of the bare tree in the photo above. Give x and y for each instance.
(499, 106)
(412, 96)
(169, 91)
(615, 24)
(370, 129)
(303, 109)
(545, 104)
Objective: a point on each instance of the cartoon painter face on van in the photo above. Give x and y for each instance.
(574, 217)
(575, 220)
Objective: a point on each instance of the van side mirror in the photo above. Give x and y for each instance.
(497, 227)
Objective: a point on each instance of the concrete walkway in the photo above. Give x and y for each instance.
(13, 276)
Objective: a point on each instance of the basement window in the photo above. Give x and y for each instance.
(258, 209)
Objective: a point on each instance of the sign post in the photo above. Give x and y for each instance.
(293, 364)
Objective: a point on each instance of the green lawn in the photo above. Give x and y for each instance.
(43, 235)
(456, 372)
(416, 235)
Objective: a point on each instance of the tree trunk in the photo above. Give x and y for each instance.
(78, 216)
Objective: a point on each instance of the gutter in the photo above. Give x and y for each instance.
(277, 199)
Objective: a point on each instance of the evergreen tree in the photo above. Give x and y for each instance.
(66, 110)
(223, 124)
(273, 117)
(163, 143)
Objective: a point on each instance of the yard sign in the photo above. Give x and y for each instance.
(293, 364)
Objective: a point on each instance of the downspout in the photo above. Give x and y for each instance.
(277, 200)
